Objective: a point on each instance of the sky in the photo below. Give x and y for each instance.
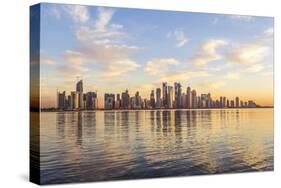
(114, 49)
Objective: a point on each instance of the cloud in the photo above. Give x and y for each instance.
(113, 60)
(160, 66)
(254, 68)
(104, 17)
(79, 13)
(70, 71)
(179, 36)
(242, 18)
(119, 67)
(266, 37)
(56, 12)
(207, 52)
(73, 57)
(102, 32)
(46, 60)
(245, 54)
(269, 31)
(101, 44)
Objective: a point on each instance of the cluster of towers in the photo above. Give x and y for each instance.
(77, 100)
(172, 98)
(167, 97)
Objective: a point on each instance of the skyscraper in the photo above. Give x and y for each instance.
(152, 99)
(61, 100)
(158, 98)
(232, 103)
(224, 102)
(188, 97)
(221, 101)
(241, 104)
(237, 102)
(91, 100)
(177, 95)
(79, 90)
(183, 101)
(117, 104)
(125, 101)
(109, 100)
(193, 99)
(79, 86)
(136, 101)
(205, 100)
(74, 102)
(170, 97)
(165, 94)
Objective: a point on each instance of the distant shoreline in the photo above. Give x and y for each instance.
(162, 109)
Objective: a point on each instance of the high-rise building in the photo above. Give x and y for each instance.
(152, 99)
(125, 100)
(183, 101)
(61, 100)
(221, 102)
(237, 102)
(117, 104)
(209, 100)
(91, 100)
(193, 99)
(241, 104)
(199, 102)
(232, 104)
(109, 100)
(158, 98)
(79, 90)
(165, 94)
(251, 104)
(79, 86)
(205, 100)
(170, 97)
(224, 102)
(177, 95)
(136, 101)
(217, 104)
(188, 97)
(74, 102)
(227, 103)
(68, 103)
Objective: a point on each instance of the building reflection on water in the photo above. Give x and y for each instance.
(138, 144)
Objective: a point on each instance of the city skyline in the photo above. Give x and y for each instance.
(165, 97)
(103, 45)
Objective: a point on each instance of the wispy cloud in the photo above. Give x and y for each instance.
(102, 32)
(254, 68)
(73, 57)
(242, 18)
(160, 66)
(70, 71)
(119, 67)
(207, 52)
(179, 36)
(245, 54)
(79, 13)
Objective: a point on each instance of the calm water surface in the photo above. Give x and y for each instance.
(113, 145)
